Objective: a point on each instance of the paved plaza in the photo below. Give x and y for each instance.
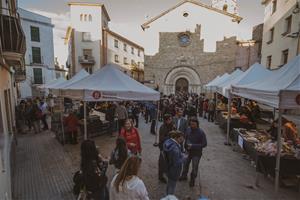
(44, 169)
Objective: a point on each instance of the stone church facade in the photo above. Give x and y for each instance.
(181, 63)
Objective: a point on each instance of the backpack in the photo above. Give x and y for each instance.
(78, 180)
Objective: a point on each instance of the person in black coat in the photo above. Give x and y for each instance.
(93, 169)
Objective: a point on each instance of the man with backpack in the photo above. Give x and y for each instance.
(174, 159)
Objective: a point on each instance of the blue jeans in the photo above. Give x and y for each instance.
(171, 185)
(195, 164)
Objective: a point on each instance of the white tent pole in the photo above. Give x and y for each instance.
(61, 118)
(228, 118)
(85, 120)
(279, 146)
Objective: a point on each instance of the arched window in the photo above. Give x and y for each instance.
(90, 18)
(225, 7)
(81, 17)
(85, 17)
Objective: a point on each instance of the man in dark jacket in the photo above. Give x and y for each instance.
(164, 135)
(153, 116)
(179, 121)
(195, 141)
(174, 159)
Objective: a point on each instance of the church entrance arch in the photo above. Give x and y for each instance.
(182, 78)
(182, 85)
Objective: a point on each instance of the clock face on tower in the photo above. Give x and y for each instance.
(184, 39)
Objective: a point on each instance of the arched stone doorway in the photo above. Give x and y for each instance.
(182, 85)
(176, 77)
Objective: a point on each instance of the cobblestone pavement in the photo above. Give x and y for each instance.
(224, 173)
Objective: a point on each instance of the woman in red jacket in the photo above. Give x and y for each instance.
(132, 137)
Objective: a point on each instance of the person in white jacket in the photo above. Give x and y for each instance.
(126, 185)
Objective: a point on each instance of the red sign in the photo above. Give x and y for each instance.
(298, 99)
(96, 95)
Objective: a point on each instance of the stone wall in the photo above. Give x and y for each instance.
(204, 66)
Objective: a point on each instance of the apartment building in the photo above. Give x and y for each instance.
(39, 58)
(92, 44)
(281, 32)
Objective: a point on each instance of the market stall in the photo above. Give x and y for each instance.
(108, 84)
(281, 90)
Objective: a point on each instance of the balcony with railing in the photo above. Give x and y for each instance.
(12, 38)
(86, 60)
(20, 74)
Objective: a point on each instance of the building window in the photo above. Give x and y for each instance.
(116, 58)
(125, 47)
(87, 53)
(284, 57)
(38, 75)
(132, 50)
(225, 7)
(86, 37)
(269, 61)
(138, 64)
(35, 33)
(271, 36)
(139, 53)
(185, 14)
(90, 18)
(274, 6)
(36, 55)
(81, 17)
(132, 62)
(288, 25)
(125, 61)
(116, 43)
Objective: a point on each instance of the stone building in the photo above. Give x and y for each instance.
(189, 49)
(184, 66)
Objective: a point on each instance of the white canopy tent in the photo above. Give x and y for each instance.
(79, 76)
(212, 85)
(52, 83)
(227, 82)
(254, 73)
(280, 90)
(108, 84)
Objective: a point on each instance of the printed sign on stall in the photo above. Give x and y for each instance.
(96, 95)
(241, 142)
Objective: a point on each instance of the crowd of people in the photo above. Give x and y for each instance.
(181, 141)
(31, 113)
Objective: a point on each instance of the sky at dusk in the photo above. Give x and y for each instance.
(128, 15)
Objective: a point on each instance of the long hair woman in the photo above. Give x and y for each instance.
(126, 185)
(119, 154)
(132, 137)
(93, 169)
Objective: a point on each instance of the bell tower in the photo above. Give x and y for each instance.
(226, 5)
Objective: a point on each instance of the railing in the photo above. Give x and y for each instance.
(11, 32)
(86, 59)
(20, 74)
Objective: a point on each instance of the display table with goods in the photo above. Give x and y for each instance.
(95, 126)
(262, 149)
(235, 122)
